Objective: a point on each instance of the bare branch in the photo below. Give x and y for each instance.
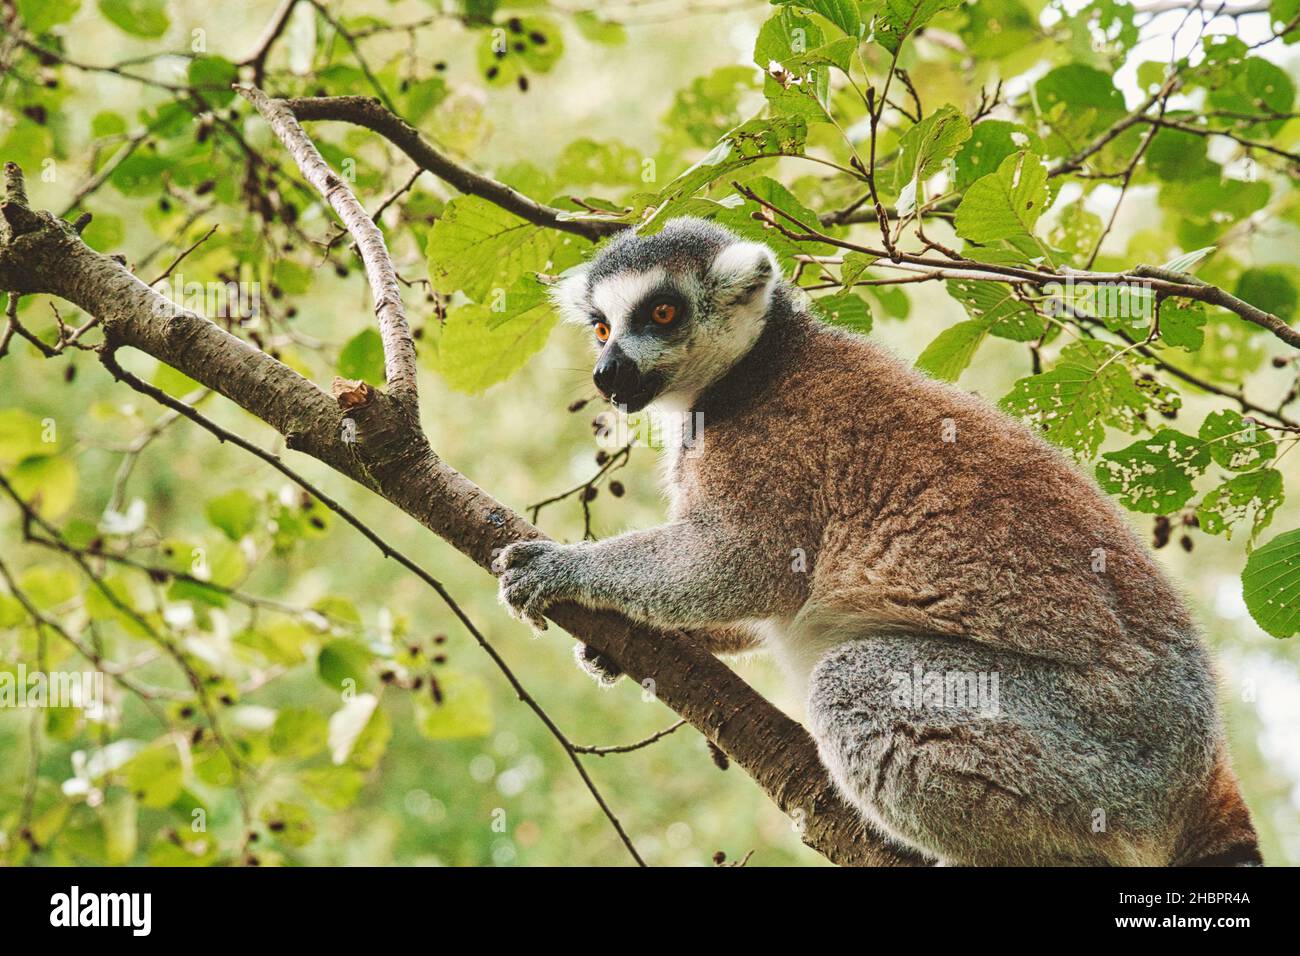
(399, 347)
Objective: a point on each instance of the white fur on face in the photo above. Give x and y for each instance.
(616, 297)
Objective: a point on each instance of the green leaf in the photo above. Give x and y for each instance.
(478, 346)
(1005, 204)
(465, 709)
(1175, 154)
(213, 75)
(478, 248)
(925, 147)
(1269, 288)
(334, 787)
(843, 13)
(952, 350)
(1254, 86)
(1254, 495)
(298, 732)
(344, 660)
(50, 484)
(23, 435)
(784, 41)
(846, 310)
(1271, 585)
(141, 18)
(40, 15)
(1154, 475)
(362, 357)
(1236, 443)
(996, 306)
(234, 513)
(1182, 325)
(990, 142)
(596, 30)
(1079, 97)
(1072, 403)
(155, 775)
(903, 17)
(289, 823)
(854, 267)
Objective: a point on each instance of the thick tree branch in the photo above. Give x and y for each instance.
(371, 114)
(391, 456)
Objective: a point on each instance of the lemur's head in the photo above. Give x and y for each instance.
(670, 313)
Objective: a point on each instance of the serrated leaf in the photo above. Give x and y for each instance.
(991, 141)
(1182, 325)
(844, 14)
(903, 17)
(925, 147)
(1004, 204)
(1254, 495)
(1271, 585)
(952, 350)
(1154, 475)
(1072, 403)
(1236, 443)
(854, 266)
(995, 304)
(846, 310)
(479, 346)
(476, 247)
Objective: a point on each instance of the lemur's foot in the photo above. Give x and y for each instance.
(597, 666)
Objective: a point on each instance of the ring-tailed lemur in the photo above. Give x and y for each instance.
(902, 547)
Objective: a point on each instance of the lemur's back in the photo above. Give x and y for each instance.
(938, 515)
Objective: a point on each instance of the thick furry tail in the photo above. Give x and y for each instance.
(1220, 833)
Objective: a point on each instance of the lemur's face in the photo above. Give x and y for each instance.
(672, 312)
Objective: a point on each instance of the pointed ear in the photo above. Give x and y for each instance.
(744, 274)
(569, 296)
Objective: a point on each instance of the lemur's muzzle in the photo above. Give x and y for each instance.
(620, 381)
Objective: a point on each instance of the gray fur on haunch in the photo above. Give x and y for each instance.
(996, 670)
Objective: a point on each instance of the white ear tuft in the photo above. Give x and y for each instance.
(569, 296)
(744, 273)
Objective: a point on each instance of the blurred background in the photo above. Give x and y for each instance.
(507, 796)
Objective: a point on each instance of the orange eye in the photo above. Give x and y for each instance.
(602, 332)
(664, 313)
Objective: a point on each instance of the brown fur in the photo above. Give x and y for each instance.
(992, 537)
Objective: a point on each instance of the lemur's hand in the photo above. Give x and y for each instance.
(534, 575)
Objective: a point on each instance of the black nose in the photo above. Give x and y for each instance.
(616, 375)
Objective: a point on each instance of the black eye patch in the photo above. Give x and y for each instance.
(641, 315)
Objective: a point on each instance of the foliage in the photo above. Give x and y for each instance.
(1028, 156)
